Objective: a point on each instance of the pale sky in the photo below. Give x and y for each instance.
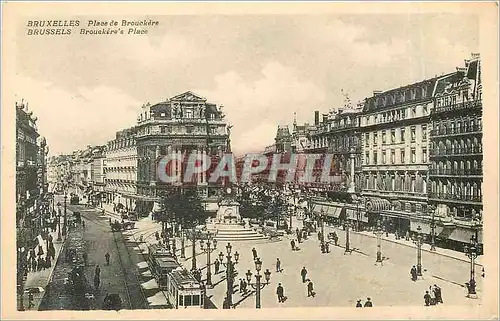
(261, 68)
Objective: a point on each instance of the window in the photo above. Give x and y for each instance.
(413, 155)
(384, 157)
(383, 137)
(181, 300)
(367, 139)
(413, 134)
(375, 156)
(196, 300)
(403, 156)
(393, 136)
(188, 113)
(375, 138)
(163, 129)
(367, 158)
(424, 133)
(413, 111)
(188, 300)
(424, 155)
(393, 156)
(189, 129)
(402, 135)
(162, 114)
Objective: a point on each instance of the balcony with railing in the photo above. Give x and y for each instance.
(474, 104)
(456, 172)
(456, 197)
(456, 131)
(457, 151)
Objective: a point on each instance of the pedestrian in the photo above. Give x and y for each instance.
(107, 258)
(297, 232)
(427, 298)
(216, 264)
(30, 300)
(280, 291)
(50, 238)
(157, 236)
(225, 304)
(39, 264)
(83, 224)
(85, 258)
(254, 252)
(358, 304)
(368, 303)
(241, 285)
(303, 273)
(335, 238)
(407, 235)
(310, 289)
(48, 263)
(320, 236)
(327, 247)
(278, 265)
(97, 271)
(244, 286)
(437, 294)
(413, 273)
(292, 243)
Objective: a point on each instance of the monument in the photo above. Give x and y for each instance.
(228, 224)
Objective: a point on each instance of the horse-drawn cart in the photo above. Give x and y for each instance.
(117, 226)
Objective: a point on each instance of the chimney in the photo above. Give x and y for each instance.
(316, 117)
(377, 92)
(325, 118)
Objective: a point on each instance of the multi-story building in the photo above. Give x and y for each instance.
(27, 180)
(121, 169)
(394, 127)
(180, 125)
(456, 154)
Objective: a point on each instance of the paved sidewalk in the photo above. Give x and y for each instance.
(40, 279)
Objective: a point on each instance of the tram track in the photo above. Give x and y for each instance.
(136, 298)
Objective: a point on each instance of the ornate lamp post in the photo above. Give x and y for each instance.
(378, 233)
(65, 218)
(347, 242)
(59, 221)
(230, 272)
(258, 286)
(432, 209)
(183, 245)
(322, 215)
(208, 245)
(471, 251)
(418, 241)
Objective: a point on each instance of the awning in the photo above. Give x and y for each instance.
(377, 204)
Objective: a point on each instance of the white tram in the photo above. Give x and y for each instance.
(161, 262)
(184, 291)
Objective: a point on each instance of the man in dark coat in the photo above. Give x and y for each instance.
(292, 243)
(216, 264)
(335, 238)
(437, 294)
(368, 303)
(427, 299)
(280, 292)
(303, 273)
(254, 252)
(107, 258)
(278, 265)
(310, 289)
(413, 273)
(358, 304)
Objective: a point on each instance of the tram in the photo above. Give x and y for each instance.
(161, 262)
(184, 291)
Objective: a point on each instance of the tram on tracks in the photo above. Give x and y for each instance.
(161, 262)
(184, 291)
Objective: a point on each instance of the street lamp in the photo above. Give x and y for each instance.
(258, 286)
(230, 273)
(378, 233)
(59, 221)
(433, 228)
(471, 251)
(208, 245)
(64, 222)
(183, 246)
(347, 243)
(418, 241)
(322, 228)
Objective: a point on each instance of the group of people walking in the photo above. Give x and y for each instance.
(368, 303)
(36, 261)
(433, 296)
